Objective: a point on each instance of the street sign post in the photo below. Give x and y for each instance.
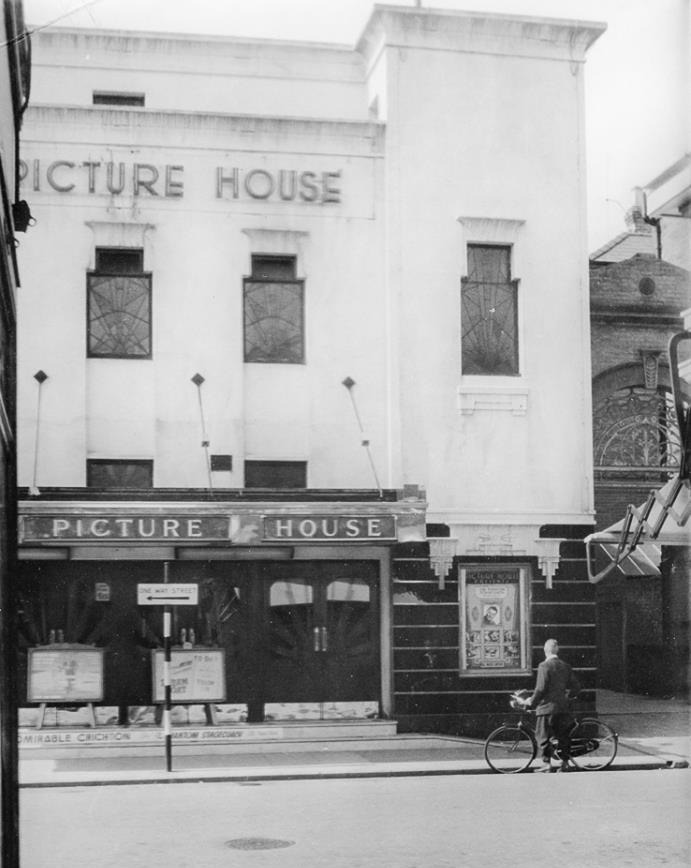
(167, 594)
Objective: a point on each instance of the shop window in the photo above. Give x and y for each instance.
(274, 311)
(275, 474)
(119, 305)
(104, 473)
(489, 313)
(493, 619)
(117, 98)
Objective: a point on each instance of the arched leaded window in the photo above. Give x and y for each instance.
(635, 431)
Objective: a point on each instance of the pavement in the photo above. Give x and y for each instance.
(653, 734)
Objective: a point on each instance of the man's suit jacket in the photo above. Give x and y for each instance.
(555, 681)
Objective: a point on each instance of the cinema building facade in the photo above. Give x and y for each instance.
(306, 326)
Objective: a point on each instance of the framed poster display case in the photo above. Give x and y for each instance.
(65, 674)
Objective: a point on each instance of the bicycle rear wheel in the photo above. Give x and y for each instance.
(593, 744)
(510, 749)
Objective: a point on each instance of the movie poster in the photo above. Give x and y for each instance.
(492, 620)
(65, 673)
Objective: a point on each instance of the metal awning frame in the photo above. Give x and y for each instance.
(630, 547)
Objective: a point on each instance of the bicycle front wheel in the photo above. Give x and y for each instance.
(510, 749)
(593, 744)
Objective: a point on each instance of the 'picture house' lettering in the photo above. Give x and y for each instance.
(93, 177)
(124, 527)
(324, 527)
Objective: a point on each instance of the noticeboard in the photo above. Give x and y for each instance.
(65, 673)
(197, 675)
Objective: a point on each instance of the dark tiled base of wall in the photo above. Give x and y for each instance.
(431, 696)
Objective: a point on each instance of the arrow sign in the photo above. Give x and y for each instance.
(167, 595)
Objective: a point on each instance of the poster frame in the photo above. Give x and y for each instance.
(69, 652)
(157, 661)
(524, 577)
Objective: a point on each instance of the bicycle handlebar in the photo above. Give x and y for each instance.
(518, 697)
(517, 700)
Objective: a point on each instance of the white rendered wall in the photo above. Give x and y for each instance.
(484, 143)
(198, 248)
(480, 135)
(200, 74)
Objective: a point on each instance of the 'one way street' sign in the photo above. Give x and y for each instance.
(167, 595)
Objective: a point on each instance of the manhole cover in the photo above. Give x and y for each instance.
(258, 843)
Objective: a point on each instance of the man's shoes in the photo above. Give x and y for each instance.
(564, 767)
(546, 767)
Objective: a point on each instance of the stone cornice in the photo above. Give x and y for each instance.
(477, 32)
(366, 137)
(187, 507)
(181, 51)
(645, 317)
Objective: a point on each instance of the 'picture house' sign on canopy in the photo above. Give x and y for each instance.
(105, 527)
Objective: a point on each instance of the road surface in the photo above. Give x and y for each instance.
(577, 820)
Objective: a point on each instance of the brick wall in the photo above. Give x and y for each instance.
(625, 322)
(617, 285)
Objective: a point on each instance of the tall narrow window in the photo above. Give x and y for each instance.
(273, 311)
(107, 473)
(489, 312)
(119, 305)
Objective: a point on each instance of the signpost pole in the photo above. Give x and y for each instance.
(166, 678)
(154, 594)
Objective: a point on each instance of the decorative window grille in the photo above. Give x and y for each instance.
(106, 473)
(635, 431)
(119, 306)
(489, 312)
(274, 311)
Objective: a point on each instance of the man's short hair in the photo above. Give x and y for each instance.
(551, 646)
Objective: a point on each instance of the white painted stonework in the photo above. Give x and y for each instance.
(432, 117)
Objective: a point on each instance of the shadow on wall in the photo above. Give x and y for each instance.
(654, 670)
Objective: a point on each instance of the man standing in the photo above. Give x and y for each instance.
(556, 684)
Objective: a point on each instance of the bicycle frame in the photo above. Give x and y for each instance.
(592, 743)
(526, 722)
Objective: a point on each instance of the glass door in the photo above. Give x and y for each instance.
(349, 640)
(322, 636)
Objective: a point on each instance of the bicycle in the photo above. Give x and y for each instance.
(512, 747)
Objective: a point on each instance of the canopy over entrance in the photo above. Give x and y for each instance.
(634, 544)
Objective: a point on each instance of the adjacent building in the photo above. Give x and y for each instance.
(14, 217)
(666, 201)
(640, 289)
(306, 326)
